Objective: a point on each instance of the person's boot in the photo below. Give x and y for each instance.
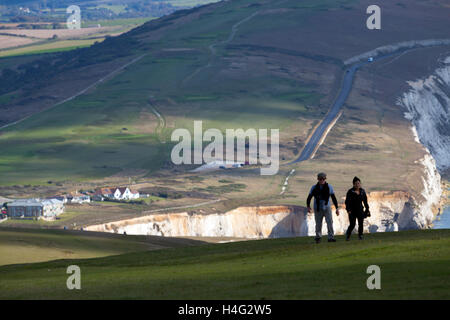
(360, 237)
(317, 240)
(347, 237)
(331, 240)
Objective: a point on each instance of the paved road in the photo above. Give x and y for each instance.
(347, 83)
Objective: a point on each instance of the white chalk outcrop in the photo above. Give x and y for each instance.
(244, 222)
(428, 108)
(404, 211)
(391, 211)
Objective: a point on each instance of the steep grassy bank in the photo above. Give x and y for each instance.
(414, 265)
(26, 246)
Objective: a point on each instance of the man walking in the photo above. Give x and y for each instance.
(322, 192)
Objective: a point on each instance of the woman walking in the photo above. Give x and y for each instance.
(354, 201)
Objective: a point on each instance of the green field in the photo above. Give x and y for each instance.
(114, 8)
(53, 46)
(126, 22)
(414, 265)
(35, 245)
(85, 138)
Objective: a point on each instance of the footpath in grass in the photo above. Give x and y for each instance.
(414, 265)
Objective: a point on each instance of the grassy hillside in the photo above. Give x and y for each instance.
(26, 246)
(414, 265)
(233, 64)
(41, 41)
(85, 138)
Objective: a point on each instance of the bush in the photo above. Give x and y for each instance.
(225, 181)
(125, 201)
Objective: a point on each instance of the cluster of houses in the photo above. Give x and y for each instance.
(117, 193)
(51, 207)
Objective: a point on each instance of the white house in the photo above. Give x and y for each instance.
(118, 193)
(79, 198)
(125, 193)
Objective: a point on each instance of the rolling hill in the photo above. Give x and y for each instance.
(20, 246)
(103, 116)
(414, 265)
(91, 114)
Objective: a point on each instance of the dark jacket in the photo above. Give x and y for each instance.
(321, 194)
(354, 202)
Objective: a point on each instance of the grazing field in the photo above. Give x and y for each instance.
(11, 41)
(114, 8)
(413, 264)
(27, 246)
(128, 23)
(106, 131)
(54, 46)
(60, 33)
(44, 41)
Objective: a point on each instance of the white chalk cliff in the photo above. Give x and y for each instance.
(428, 108)
(391, 211)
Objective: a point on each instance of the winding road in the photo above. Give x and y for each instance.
(330, 119)
(323, 127)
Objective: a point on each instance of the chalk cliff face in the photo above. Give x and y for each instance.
(245, 222)
(428, 108)
(390, 212)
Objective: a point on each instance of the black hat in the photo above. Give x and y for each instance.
(322, 175)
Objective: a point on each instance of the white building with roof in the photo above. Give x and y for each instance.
(79, 198)
(125, 193)
(35, 208)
